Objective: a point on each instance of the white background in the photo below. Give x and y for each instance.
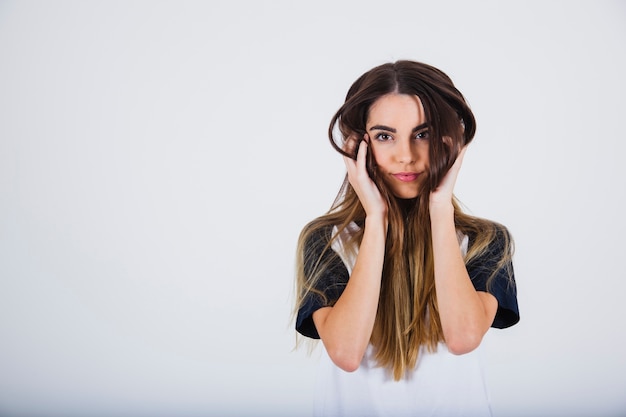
(158, 160)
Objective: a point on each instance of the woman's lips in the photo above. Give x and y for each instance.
(406, 176)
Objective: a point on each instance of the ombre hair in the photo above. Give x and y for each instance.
(407, 317)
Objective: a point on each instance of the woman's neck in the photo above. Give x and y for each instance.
(406, 204)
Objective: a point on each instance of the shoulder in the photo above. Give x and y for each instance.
(496, 236)
(490, 268)
(320, 233)
(316, 245)
(317, 234)
(490, 252)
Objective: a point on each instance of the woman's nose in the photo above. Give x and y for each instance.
(405, 153)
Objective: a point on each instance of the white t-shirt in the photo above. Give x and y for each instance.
(442, 384)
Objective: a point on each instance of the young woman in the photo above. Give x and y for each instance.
(399, 283)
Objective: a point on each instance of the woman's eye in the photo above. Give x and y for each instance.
(422, 135)
(383, 137)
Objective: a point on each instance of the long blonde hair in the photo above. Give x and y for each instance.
(407, 316)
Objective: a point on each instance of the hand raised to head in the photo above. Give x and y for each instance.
(365, 188)
(442, 195)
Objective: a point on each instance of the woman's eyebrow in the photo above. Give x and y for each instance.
(382, 127)
(420, 127)
(392, 130)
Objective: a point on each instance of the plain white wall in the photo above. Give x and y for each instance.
(158, 160)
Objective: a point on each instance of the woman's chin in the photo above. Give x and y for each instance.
(405, 192)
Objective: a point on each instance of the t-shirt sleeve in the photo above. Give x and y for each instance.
(503, 284)
(331, 282)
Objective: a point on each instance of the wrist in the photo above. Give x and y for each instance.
(377, 221)
(441, 210)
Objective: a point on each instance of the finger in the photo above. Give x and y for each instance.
(463, 150)
(461, 155)
(362, 152)
(351, 144)
(350, 163)
(449, 180)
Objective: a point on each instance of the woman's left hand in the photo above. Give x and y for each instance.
(442, 195)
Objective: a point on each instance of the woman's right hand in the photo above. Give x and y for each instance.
(365, 188)
(346, 327)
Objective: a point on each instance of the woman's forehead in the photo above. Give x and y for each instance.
(397, 107)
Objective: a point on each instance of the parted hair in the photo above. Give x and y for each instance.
(407, 317)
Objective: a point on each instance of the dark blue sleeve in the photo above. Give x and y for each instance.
(331, 283)
(503, 284)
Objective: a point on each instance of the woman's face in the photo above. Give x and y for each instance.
(398, 136)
